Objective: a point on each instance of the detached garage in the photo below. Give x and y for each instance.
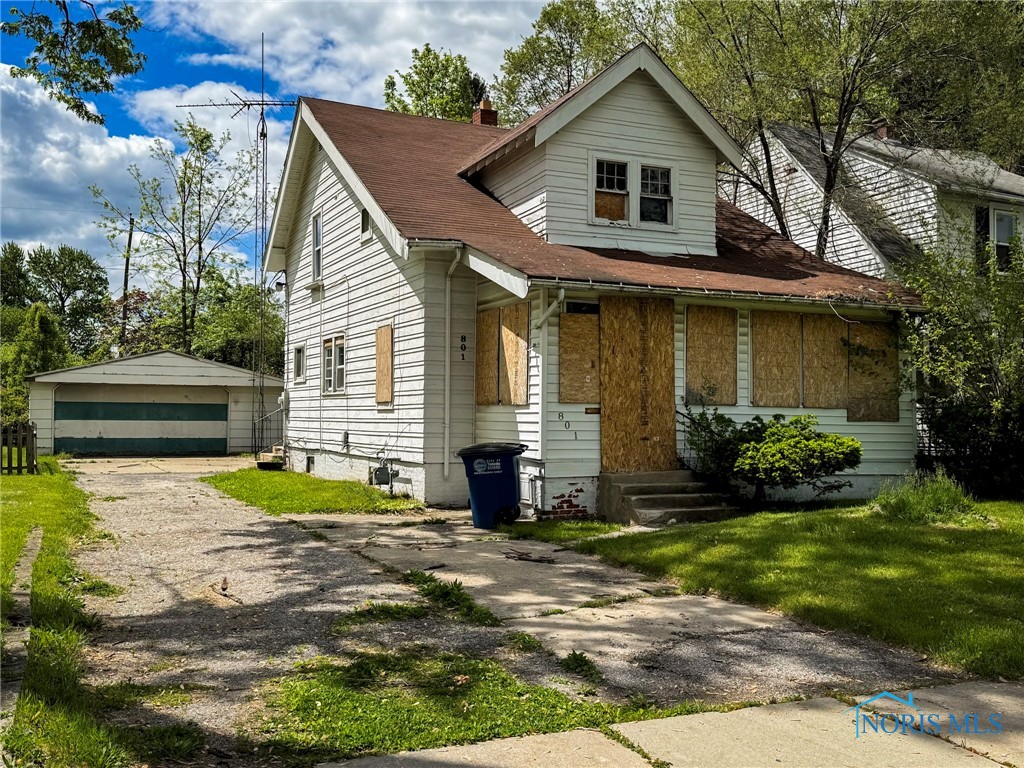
(156, 404)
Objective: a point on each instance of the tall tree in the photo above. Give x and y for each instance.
(826, 64)
(16, 288)
(572, 41)
(189, 217)
(74, 286)
(230, 331)
(437, 84)
(77, 54)
(40, 345)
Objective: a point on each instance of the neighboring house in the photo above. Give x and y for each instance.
(890, 200)
(154, 404)
(568, 285)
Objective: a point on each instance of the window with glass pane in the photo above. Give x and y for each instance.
(318, 247)
(655, 194)
(1006, 230)
(611, 191)
(339, 363)
(299, 364)
(328, 366)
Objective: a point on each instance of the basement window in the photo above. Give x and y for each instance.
(611, 191)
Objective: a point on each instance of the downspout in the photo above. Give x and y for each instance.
(446, 471)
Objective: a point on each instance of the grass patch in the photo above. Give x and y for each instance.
(929, 498)
(952, 593)
(523, 642)
(452, 597)
(582, 665)
(558, 531)
(378, 612)
(424, 521)
(603, 602)
(56, 720)
(295, 493)
(383, 702)
(126, 694)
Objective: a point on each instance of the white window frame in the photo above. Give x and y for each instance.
(365, 225)
(633, 164)
(316, 223)
(994, 212)
(329, 349)
(671, 197)
(299, 377)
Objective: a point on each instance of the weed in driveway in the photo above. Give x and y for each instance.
(579, 663)
(451, 596)
(374, 612)
(524, 642)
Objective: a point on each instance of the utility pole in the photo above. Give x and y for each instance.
(124, 294)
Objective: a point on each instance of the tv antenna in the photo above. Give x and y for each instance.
(242, 104)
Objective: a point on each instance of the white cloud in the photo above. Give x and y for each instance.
(343, 51)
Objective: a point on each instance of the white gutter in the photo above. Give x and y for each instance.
(448, 362)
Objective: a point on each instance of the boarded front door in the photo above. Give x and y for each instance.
(638, 417)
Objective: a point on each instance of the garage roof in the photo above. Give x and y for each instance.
(158, 368)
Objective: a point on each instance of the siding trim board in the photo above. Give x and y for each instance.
(98, 411)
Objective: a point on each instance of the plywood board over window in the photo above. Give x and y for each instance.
(385, 364)
(775, 352)
(825, 340)
(579, 358)
(873, 373)
(513, 360)
(487, 334)
(710, 355)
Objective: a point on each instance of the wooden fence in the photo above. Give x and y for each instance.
(18, 449)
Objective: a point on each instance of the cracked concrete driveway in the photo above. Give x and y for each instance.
(666, 647)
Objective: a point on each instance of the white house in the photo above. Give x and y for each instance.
(890, 199)
(568, 285)
(158, 403)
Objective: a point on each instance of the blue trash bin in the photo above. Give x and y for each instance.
(493, 473)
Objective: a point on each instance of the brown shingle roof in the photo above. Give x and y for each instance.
(411, 165)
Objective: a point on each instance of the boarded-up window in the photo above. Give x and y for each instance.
(579, 357)
(825, 361)
(385, 364)
(775, 359)
(512, 361)
(501, 355)
(710, 355)
(874, 373)
(487, 326)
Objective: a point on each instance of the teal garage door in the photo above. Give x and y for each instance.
(94, 420)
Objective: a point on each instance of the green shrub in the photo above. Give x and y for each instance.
(716, 441)
(927, 498)
(793, 453)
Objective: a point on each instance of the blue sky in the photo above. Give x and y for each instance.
(199, 51)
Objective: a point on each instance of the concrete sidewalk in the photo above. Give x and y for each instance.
(817, 732)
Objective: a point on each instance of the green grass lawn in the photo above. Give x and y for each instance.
(57, 719)
(558, 531)
(291, 493)
(956, 594)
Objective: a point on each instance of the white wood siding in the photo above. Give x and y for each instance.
(908, 201)
(801, 204)
(364, 284)
(636, 119)
(240, 415)
(40, 411)
(518, 181)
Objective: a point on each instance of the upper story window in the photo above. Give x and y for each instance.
(318, 246)
(1004, 230)
(655, 194)
(334, 364)
(611, 191)
(298, 363)
(365, 226)
(629, 192)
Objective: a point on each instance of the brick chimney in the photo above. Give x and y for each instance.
(484, 115)
(881, 130)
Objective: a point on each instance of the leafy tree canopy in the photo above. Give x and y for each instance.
(77, 51)
(16, 289)
(74, 287)
(437, 84)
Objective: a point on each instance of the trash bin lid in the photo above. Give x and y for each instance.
(484, 448)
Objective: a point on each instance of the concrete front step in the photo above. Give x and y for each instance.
(665, 515)
(641, 489)
(671, 500)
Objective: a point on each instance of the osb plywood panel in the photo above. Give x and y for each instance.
(710, 355)
(874, 373)
(515, 334)
(611, 206)
(579, 358)
(825, 361)
(385, 364)
(637, 392)
(487, 357)
(775, 352)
